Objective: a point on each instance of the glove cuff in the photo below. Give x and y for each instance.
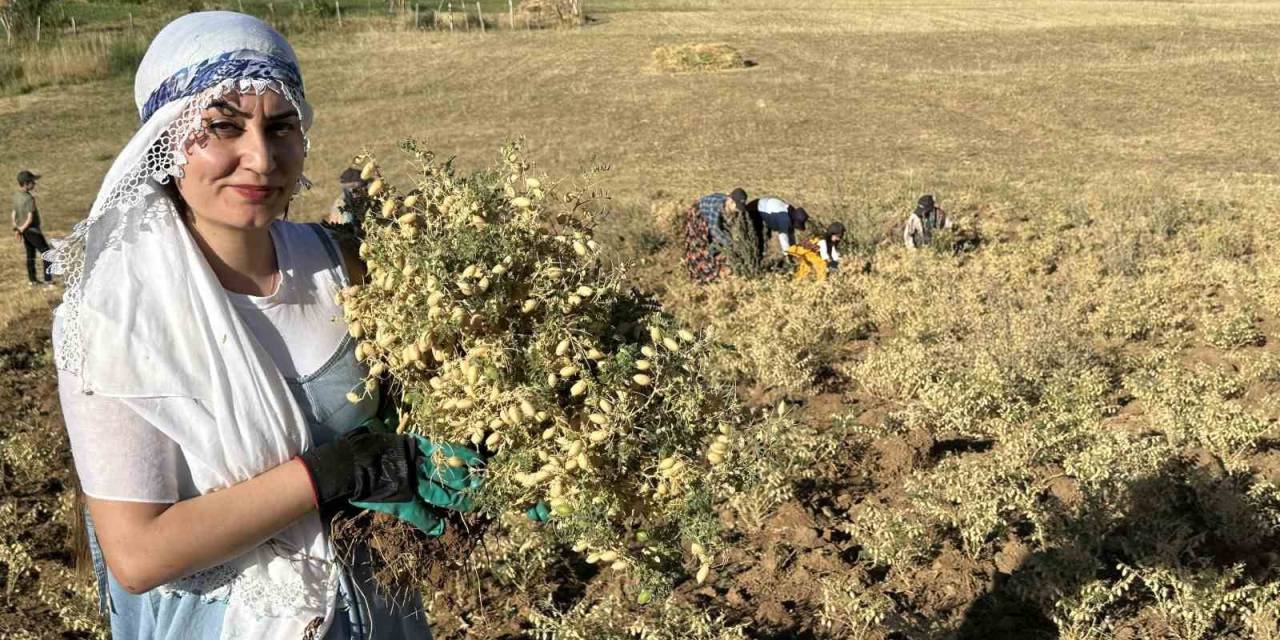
(311, 480)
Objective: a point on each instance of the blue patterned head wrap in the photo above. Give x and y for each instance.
(232, 65)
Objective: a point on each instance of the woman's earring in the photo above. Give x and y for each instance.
(303, 185)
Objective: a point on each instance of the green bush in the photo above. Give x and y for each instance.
(20, 17)
(124, 55)
(11, 74)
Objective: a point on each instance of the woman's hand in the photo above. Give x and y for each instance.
(363, 465)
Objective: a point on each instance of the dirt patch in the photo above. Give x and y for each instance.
(44, 593)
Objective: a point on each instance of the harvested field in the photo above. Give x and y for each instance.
(1061, 424)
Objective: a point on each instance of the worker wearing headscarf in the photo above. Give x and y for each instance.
(201, 376)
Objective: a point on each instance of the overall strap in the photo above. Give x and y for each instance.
(338, 270)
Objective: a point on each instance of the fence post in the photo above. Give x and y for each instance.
(38, 28)
(337, 6)
(240, 4)
(131, 22)
(480, 17)
(416, 24)
(511, 13)
(450, 16)
(73, 25)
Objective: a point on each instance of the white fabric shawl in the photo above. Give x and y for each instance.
(145, 320)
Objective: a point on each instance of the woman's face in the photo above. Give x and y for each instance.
(243, 165)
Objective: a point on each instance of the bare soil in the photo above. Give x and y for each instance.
(46, 599)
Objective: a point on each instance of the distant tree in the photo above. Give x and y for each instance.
(19, 18)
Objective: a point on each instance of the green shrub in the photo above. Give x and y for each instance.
(11, 72)
(124, 55)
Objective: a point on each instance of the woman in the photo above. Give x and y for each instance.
(771, 214)
(201, 372)
(706, 238)
(829, 245)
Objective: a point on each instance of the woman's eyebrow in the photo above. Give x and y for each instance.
(283, 115)
(229, 109)
(225, 107)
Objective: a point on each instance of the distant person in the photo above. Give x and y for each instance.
(922, 222)
(773, 215)
(349, 206)
(707, 236)
(26, 226)
(818, 256)
(829, 245)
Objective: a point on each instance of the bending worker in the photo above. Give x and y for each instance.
(774, 215)
(707, 236)
(818, 255)
(921, 224)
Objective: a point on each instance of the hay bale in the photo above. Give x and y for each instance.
(700, 56)
(544, 14)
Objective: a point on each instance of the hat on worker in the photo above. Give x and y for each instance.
(351, 176)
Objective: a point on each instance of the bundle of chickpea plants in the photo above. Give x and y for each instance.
(488, 306)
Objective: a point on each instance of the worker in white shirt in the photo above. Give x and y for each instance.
(771, 214)
(829, 245)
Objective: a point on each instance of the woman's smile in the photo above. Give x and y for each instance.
(254, 193)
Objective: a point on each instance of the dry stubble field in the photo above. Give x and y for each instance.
(1063, 432)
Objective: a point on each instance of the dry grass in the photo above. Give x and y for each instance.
(69, 61)
(1079, 130)
(698, 57)
(1080, 94)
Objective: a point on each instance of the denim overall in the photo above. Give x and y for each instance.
(364, 612)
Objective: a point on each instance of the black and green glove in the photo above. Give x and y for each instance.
(365, 465)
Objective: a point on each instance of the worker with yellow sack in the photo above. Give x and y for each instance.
(818, 255)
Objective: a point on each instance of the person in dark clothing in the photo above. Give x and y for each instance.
(706, 238)
(349, 207)
(26, 226)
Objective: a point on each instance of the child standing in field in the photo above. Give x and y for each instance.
(26, 225)
(202, 376)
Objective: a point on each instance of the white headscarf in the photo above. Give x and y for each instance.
(145, 320)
